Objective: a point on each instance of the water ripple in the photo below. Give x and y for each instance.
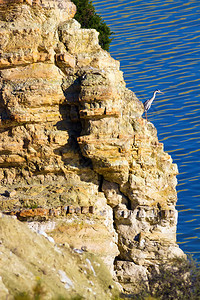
(157, 44)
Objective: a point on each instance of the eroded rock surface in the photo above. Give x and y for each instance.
(31, 261)
(72, 135)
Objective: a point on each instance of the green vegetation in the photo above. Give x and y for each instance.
(37, 294)
(178, 281)
(88, 18)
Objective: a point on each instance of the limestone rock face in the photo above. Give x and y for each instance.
(74, 145)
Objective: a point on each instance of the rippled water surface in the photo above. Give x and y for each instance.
(157, 44)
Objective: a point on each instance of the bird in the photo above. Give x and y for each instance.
(147, 103)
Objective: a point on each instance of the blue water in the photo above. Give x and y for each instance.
(157, 43)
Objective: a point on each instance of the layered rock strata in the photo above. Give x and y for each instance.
(72, 135)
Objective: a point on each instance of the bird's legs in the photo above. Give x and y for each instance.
(146, 115)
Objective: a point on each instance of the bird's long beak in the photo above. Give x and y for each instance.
(161, 92)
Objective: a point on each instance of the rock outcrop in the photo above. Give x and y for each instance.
(34, 267)
(75, 151)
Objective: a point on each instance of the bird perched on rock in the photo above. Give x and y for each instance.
(147, 103)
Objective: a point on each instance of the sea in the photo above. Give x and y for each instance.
(158, 45)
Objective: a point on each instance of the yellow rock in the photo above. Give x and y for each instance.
(72, 135)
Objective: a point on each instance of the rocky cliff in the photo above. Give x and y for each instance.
(76, 157)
